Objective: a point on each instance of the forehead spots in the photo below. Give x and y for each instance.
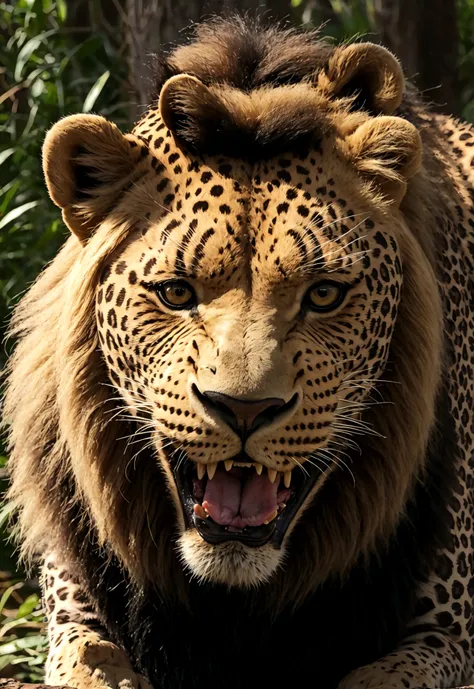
(281, 219)
(200, 206)
(275, 232)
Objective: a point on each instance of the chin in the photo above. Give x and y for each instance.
(231, 563)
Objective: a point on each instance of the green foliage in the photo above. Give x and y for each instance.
(54, 63)
(23, 641)
(339, 19)
(343, 19)
(48, 72)
(50, 68)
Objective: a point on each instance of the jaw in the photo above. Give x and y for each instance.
(238, 540)
(232, 563)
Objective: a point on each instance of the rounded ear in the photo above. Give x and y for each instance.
(190, 109)
(366, 72)
(386, 150)
(87, 162)
(175, 98)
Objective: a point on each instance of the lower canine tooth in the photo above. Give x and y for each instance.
(271, 517)
(201, 470)
(211, 470)
(272, 474)
(258, 468)
(200, 512)
(287, 478)
(228, 464)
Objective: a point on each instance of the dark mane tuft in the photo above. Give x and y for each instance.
(245, 53)
(260, 61)
(263, 88)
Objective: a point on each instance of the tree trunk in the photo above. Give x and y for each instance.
(424, 36)
(156, 23)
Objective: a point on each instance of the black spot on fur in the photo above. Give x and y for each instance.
(375, 625)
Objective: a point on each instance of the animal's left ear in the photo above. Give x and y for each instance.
(367, 72)
(387, 151)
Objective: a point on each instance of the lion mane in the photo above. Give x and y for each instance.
(78, 487)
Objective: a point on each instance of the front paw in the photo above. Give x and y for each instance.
(93, 664)
(103, 677)
(108, 677)
(374, 677)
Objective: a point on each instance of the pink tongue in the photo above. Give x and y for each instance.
(234, 502)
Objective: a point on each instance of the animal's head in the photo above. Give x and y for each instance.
(237, 352)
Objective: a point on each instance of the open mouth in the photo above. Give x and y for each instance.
(239, 499)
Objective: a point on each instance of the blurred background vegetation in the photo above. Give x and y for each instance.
(59, 57)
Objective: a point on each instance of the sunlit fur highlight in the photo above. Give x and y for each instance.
(69, 457)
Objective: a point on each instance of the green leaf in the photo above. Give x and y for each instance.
(62, 10)
(6, 595)
(5, 513)
(17, 212)
(6, 154)
(32, 641)
(31, 119)
(27, 50)
(6, 660)
(37, 88)
(28, 605)
(7, 194)
(95, 92)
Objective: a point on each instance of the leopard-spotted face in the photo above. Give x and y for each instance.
(245, 305)
(243, 327)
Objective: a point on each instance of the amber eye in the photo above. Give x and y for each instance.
(177, 294)
(325, 296)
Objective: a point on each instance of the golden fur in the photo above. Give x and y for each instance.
(69, 457)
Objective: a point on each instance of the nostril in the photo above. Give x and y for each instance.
(243, 416)
(272, 412)
(267, 416)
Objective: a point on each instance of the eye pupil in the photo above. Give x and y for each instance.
(177, 296)
(326, 296)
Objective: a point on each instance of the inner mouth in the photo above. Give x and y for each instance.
(239, 499)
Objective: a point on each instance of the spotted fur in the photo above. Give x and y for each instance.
(253, 177)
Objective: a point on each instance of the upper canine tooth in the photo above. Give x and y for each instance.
(211, 470)
(287, 478)
(201, 470)
(228, 464)
(258, 468)
(272, 474)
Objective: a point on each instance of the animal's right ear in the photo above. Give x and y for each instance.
(366, 72)
(87, 163)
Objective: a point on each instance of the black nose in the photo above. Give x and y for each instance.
(243, 416)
